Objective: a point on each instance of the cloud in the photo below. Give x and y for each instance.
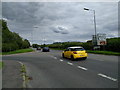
(60, 21)
(60, 29)
(5, 19)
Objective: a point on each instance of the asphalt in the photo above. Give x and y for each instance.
(11, 75)
(50, 70)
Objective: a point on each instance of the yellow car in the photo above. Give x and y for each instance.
(74, 53)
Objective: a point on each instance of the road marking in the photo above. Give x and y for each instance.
(105, 76)
(69, 63)
(61, 60)
(23, 76)
(20, 63)
(82, 68)
(55, 57)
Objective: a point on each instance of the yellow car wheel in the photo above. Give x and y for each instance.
(72, 57)
(63, 55)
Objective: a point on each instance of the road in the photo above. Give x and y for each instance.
(50, 70)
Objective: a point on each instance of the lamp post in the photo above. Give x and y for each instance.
(44, 40)
(34, 27)
(94, 24)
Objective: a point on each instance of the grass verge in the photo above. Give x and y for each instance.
(17, 51)
(97, 52)
(104, 52)
(1, 64)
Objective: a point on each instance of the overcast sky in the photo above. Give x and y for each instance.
(60, 21)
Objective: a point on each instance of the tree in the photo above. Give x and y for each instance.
(12, 41)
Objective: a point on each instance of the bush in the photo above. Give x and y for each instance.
(12, 41)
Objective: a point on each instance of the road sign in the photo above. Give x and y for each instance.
(101, 39)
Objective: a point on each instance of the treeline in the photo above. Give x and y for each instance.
(63, 45)
(10, 40)
(113, 44)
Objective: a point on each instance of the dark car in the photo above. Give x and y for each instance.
(45, 49)
(38, 48)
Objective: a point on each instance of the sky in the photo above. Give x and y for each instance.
(48, 22)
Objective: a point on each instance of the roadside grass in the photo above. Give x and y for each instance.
(18, 51)
(97, 52)
(1, 64)
(104, 52)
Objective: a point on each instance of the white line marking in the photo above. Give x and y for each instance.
(20, 62)
(105, 76)
(82, 68)
(61, 60)
(55, 57)
(69, 63)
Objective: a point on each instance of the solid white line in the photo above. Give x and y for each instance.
(82, 68)
(61, 60)
(20, 62)
(69, 63)
(105, 76)
(23, 76)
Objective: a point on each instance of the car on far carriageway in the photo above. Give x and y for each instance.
(45, 49)
(75, 52)
(38, 48)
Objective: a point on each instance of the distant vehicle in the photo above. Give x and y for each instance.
(74, 53)
(38, 48)
(45, 49)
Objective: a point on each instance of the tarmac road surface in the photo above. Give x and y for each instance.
(50, 70)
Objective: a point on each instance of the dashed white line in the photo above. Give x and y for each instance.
(69, 63)
(105, 76)
(55, 57)
(61, 60)
(82, 68)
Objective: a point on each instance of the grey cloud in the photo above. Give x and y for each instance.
(60, 21)
(20, 12)
(60, 29)
(112, 27)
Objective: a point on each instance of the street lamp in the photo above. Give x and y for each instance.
(34, 27)
(44, 40)
(94, 23)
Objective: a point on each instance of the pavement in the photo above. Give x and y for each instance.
(50, 70)
(11, 75)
